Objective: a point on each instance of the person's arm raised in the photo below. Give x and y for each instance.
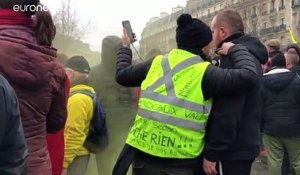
(127, 74)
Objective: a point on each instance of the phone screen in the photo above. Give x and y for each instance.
(127, 26)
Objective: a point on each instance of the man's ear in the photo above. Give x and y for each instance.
(70, 74)
(223, 32)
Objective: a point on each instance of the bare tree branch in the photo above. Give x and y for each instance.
(68, 23)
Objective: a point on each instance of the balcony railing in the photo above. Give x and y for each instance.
(274, 29)
(212, 14)
(253, 33)
(254, 15)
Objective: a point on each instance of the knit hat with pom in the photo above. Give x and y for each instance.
(192, 33)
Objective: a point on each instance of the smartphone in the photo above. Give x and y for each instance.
(127, 26)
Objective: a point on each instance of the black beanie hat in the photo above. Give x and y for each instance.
(192, 33)
(79, 64)
(278, 60)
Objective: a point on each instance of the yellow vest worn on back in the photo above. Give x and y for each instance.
(172, 111)
(80, 113)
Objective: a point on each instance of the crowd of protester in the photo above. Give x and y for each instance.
(249, 98)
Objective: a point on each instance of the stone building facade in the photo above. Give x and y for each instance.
(266, 19)
(159, 33)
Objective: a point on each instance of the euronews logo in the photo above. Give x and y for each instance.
(29, 8)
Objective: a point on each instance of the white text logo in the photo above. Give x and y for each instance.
(29, 8)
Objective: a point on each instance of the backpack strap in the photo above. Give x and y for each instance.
(88, 93)
(85, 92)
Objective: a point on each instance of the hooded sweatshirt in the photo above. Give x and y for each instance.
(281, 103)
(118, 102)
(39, 82)
(233, 129)
(296, 69)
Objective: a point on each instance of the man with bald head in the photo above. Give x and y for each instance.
(233, 129)
(292, 60)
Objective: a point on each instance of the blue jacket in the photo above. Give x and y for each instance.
(13, 148)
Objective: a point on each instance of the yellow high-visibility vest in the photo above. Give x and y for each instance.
(172, 111)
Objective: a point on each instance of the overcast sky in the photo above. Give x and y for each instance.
(106, 16)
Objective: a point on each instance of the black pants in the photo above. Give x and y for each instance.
(236, 167)
(145, 168)
(142, 167)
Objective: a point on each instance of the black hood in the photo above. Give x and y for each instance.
(110, 47)
(278, 81)
(255, 47)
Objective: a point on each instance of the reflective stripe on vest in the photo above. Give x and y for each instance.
(168, 75)
(171, 120)
(171, 97)
(172, 100)
(171, 123)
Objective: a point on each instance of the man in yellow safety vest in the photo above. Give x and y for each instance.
(167, 136)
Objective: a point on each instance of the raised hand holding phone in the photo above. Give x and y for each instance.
(125, 39)
(129, 37)
(130, 34)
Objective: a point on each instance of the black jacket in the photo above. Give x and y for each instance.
(233, 129)
(13, 148)
(216, 81)
(296, 68)
(281, 109)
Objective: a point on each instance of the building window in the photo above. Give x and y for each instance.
(281, 3)
(265, 25)
(253, 27)
(254, 11)
(273, 22)
(273, 5)
(295, 3)
(282, 21)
